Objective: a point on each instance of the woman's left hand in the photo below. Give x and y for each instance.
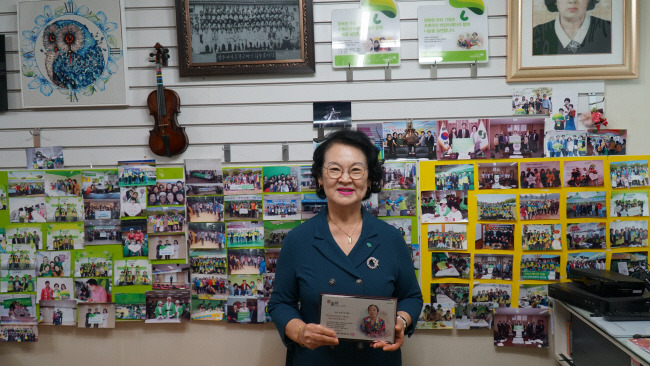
(399, 339)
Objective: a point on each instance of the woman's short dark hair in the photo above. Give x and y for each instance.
(356, 139)
(551, 5)
(373, 306)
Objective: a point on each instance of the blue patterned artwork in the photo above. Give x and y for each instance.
(71, 53)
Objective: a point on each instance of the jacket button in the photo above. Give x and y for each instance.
(332, 282)
(359, 282)
(360, 346)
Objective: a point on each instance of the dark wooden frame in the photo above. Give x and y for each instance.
(306, 64)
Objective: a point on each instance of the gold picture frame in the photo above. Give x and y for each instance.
(525, 68)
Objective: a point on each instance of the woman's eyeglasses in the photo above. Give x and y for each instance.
(355, 172)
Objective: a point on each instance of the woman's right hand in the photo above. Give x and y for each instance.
(313, 335)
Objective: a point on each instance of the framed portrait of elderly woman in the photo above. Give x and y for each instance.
(222, 37)
(572, 40)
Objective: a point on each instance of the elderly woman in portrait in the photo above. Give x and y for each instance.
(573, 30)
(344, 250)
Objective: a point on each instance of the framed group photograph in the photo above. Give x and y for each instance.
(556, 40)
(224, 37)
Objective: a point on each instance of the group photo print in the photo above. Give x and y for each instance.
(544, 174)
(444, 206)
(496, 207)
(516, 137)
(498, 176)
(494, 236)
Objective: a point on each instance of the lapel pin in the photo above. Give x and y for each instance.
(372, 262)
(369, 245)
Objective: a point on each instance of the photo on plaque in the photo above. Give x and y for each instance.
(606, 142)
(243, 207)
(98, 315)
(583, 173)
(312, 205)
(436, 316)
(173, 276)
(516, 137)
(561, 144)
(130, 307)
(540, 174)
(534, 296)
(44, 157)
(282, 207)
(454, 177)
(136, 173)
(238, 181)
(366, 318)
(624, 174)
(206, 309)
(276, 231)
(633, 264)
(166, 192)
(463, 139)
(584, 204)
(542, 206)
(17, 309)
(53, 264)
(203, 235)
(167, 306)
(205, 209)
(541, 237)
(398, 175)
(450, 293)
(629, 204)
(450, 264)
(477, 315)
(444, 206)
(496, 207)
(63, 183)
(447, 236)
(203, 177)
(133, 202)
(100, 184)
(494, 236)
(498, 176)
(515, 327)
(54, 288)
(62, 312)
(540, 267)
(594, 260)
(307, 181)
(492, 267)
(586, 235)
(624, 234)
(491, 292)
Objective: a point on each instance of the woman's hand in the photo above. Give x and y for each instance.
(313, 336)
(399, 339)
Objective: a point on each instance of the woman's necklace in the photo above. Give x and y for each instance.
(343, 231)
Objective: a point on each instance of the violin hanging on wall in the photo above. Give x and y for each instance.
(167, 138)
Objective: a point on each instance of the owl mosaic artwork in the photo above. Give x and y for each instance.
(71, 53)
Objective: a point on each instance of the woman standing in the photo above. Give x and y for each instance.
(342, 250)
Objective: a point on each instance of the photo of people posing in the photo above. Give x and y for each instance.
(203, 177)
(493, 293)
(281, 179)
(202, 235)
(62, 312)
(103, 234)
(623, 174)
(271, 259)
(444, 206)
(25, 235)
(211, 261)
(63, 184)
(449, 293)
(633, 264)
(205, 209)
(450, 264)
(517, 137)
(606, 142)
(307, 181)
(130, 307)
(463, 139)
(166, 192)
(18, 333)
(540, 267)
(93, 290)
(17, 309)
(540, 174)
(586, 204)
(629, 204)
(136, 173)
(64, 209)
(54, 289)
(498, 176)
(409, 139)
(276, 231)
(17, 280)
(496, 207)
(311, 205)
(594, 260)
(100, 184)
(494, 236)
(171, 276)
(623, 234)
(541, 236)
(477, 315)
(246, 261)
(204, 309)
(397, 203)
(44, 157)
(27, 209)
(515, 327)
(96, 316)
(436, 316)
(135, 241)
(543, 206)
(20, 257)
(397, 175)
(584, 173)
(133, 202)
(133, 272)
(166, 220)
(167, 247)
(53, 264)
(371, 204)
(586, 235)
(447, 236)
(26, 184)
(3, 198)
(245, 207)
(534, 296)
(94, 263)
(454, 177)
(242, 181)
(65, 236)
(402, 225)
(244, 310)
(560, 144)
(245, 234)
(210, 286)
(246, 285)
(529, 101)
(282, 207)
(564, 115)
(493, 266)
(98, 211)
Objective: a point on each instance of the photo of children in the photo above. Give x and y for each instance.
(516, 327)
(623, 234)
(203, 176)
(307, 181)
(17, 309)
(27, 209)
(25, 235)
(166, 192)
(624, 174)
(462, 139)
(17, 280)
(54, 288)
(534, 296)
(501, 207)
(135, 241)
(559, 144)
(204, 309)
(528, 101)
(444, 206)
(493, 266)
(244, 310)
(245, 234)
(103, 234)
(65, 236)
(136, 173)
(244, 207)
(586, 235)
(133, 272)
(541, 236)
(477, 315)
(311, 205)
(168, 247)
(540, 267)
(18, 333)
(130, 307)
(133, 201)
(447, 236)
(64, 209)
(454, 177)
(276, 231)
(564, 115)
(492, 293)
(584, 173)
(586, 204)
(62, 312)
(449, 293)
(450, 264)
(516, 137)
(629, 204)
(397, 175)
(595, 260)
(543, 206)
(53, 264)
(44, 157)
(205, 209)
(96, 316)
(540, 174)
(282, 207)
(26, 184)
(633, 264)
(246, 261)
(63, 183)
(100, 212)
(201, 235)
(494, 236)
(242, 181)
(166, 220)
(280, 179)
(165, 306)
(171, 276)
(403, 225)
(397, 203)
(93, 264)
(498, 176)
(436, 316)
(100, 184)
(606, 142)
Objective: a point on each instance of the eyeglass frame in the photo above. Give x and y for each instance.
(327, 170)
